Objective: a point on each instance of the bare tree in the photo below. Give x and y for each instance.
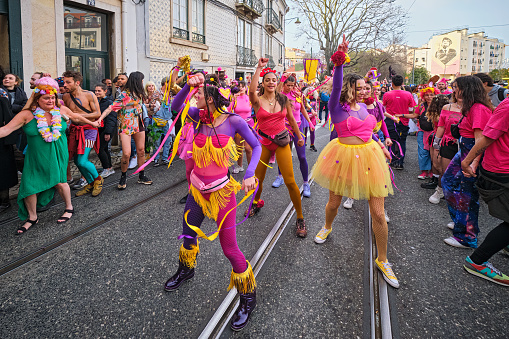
(368, 24)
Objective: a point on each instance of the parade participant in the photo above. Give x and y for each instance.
(460, 192)
(271, 110)
(152, 105)
(442, 152)
(353, 165)
(83, 138)
(36, 76)
(242, 107)
(295, 97)
(105, 133)
(8, 171)
(128, 108)
(425, 128)
(47, 156)
(325, 91)
(212, 190)
(496, 93)
(442, 86)
(311, 109)
(17, 95)
(398, 102)
(493, 185)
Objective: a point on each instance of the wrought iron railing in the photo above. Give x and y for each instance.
(180, 33)
(271, 62)
(246, 57)
(272, 19)
(199, 38)
(255, 5)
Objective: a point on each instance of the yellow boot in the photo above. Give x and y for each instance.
(98, 186)
(84, 190)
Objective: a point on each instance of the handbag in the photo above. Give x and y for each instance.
(281, 139)
(455, 129)
(162, 116)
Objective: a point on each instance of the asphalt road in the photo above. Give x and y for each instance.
(108, 282)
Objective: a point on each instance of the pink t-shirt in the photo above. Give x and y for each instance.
(476, 118)
(398, 102)
(496, 156)
(448, 118)
(243, 106)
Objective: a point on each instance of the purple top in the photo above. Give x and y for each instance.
(378, 112)
(232, 125)
(338, 112)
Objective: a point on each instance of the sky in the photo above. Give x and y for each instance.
(429, 17)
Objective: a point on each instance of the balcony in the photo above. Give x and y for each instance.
(198, 38)
(180, 33)
(251, 8)
(246, 57)
(271, 62)
(273, 24)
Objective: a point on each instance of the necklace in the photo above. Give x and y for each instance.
(42, 124)
(270, 102)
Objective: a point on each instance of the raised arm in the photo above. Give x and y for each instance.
(253, 97)
(16, 123)
(337, 85)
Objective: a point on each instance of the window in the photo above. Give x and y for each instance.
(180, 19)
(245, 34)
(198, 21)
(240, 33)
(423, 59)
(281, 54)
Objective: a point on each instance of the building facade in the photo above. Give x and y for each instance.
(458, 52)
(101, 38)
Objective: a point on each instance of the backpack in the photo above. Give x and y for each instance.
(501, 93)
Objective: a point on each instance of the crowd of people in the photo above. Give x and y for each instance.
(210, 121)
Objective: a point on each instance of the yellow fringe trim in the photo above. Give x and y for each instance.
(188, 257)
(223, 157)
(217, 200)
(244, 282)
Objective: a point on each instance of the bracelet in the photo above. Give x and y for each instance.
(383, 146)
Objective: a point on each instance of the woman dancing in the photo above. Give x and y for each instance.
(271, 110)
(354, 165)
(242, 107)
(212, 190)
(296, 99)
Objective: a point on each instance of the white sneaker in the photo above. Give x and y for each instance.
(451, 241)
(450, 225)
(386, 216)
(133, 163)
(107, 172)
(235, 169)
(348, 203)
(241, 169)
(435, 198)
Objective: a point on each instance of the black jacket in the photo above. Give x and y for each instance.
(6, 116)
(20, 99)
(110, 122)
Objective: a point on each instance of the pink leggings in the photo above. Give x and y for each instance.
(227, 234)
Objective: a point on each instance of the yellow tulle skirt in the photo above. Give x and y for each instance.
(353, 171)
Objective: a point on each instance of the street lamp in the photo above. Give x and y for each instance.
(297, 22)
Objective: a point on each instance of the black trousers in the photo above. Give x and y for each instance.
(324, 106)
(104, 152)
(398, 132)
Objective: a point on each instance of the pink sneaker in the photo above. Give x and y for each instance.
(430, 174)
(423, 175)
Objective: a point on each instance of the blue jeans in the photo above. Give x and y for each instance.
(423, 154)
(167, 144)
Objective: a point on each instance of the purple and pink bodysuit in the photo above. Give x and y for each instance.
(212, 190)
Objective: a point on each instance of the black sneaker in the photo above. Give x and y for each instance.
(122, 184)
(313, 148)
(157, 163)
(144, 180)
(432, 184)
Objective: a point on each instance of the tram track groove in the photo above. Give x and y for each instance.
(31, 256)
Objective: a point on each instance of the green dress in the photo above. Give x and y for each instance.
(45, 167)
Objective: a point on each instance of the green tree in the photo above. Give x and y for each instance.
(498, 74)
(421, 76)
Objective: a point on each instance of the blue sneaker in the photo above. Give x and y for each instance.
(306, 190)
(278, 182)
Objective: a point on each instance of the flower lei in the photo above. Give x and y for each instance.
(339, 58)
(205, 118)
(42, 124)
(369, 101)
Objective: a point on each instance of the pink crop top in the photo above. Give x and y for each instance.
(353, 126)
(243, 106)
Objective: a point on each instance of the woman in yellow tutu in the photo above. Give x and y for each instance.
(354, 165)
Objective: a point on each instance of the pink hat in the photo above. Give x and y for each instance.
(444, 80)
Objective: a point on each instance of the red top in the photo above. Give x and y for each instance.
(496, 157)
(398, 102)
(271, 123)
(476, 118)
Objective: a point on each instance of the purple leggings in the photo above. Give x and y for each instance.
(311, 135)
(227, 235)
(301, 154)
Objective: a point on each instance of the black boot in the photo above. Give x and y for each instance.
(184, 199)
(243, 312)
(183, 273)
(432, 184)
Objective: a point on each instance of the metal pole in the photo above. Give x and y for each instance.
(413, 68)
